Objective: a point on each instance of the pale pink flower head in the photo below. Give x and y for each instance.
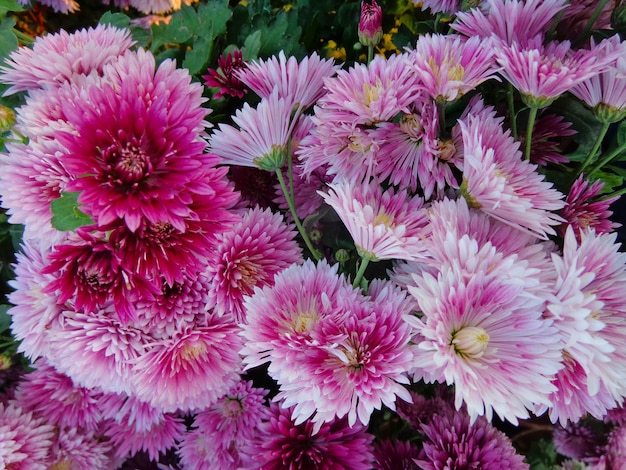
(128, 172)
(75, 448)
(480, 314)
(439, 6)
(357, 365)
(370, 23)
(584, 209)
(261, 137)
(449, 66)
(221, 431)
(509, 20)
(26, 440)
(227, 81)
(283, 444)
(300, 84)
(249, 256)
(468, 444)
(383, 224)
(56, 58)
(284, 319)
(191, 369)
(543, 73)
(61, 6)
(499, 182)
(605, 92)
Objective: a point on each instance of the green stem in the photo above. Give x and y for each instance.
(360, 272)
(370, 54)
(292, 208)
(606, 160)
(24, 39)
(592, 20)
(596, 147)
(618, 193)
(436, 22)
(532, 115)
(512, 115)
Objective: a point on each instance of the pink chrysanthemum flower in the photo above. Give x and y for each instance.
(370, 23)
(449, 66)
(299, 83)
(249, 256)
(395, 455)
(499, 182)
(220, 431)
(509, 20)
(468, 444)
(582, 440)
(262, 137)
(33, 311)
(158, 6)
(606, 92)
(26, 440)
(128, 172)
(54, 397)
(60, 6)
(90, 273)
(191, 369)
(284, 319)
(584, 210)
(589, 311)
(227, 81)
(282, 444)
(383, 224)
(578, 14)
(356, 365)
(357, 99)
(75, 448)
(55, 58)
(95, 350)
(439, 6)
(543, 73)
(480, 314)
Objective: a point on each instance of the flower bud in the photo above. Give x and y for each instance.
(371, 23)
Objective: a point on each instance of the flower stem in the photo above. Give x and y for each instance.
(292, 208)
(532, 115)
(596, 146)
(370, 53)
(361, 271)
(618, 193)
(610, 157)
(512, 115)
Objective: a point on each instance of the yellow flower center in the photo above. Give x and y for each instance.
(383, 218)
(304, 321)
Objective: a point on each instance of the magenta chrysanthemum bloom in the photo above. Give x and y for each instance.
(357, 365)
(482, 312)
(543, 73)
(395, 455)
(464, 444)
(262, 137)
(499, 182)
(56, 58)
(383, 224)
(128, 172)
(370, 23)
(222, 430)
(54, 397)
(449, 66)
(582, 441)
(283, 319)
(33, 311)
(227, 81)
(249, 256)
(75, 448)
(605, 92)
(509, 20)
(190, 369)
(26, 440)
(96, 350)
(300, 83)
(584, 210)
(282, 444)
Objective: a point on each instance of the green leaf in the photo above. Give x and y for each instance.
(252, 46)
(5, 318)
(119, 20)
(8, 40)
(197, 57)
(283, 33)
(66, 215)
(9, 5)
(621, 133)
(180, 29)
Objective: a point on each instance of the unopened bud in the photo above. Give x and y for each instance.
(371, 23)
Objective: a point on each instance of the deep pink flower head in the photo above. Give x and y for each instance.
(370, 23)
(583, 209)
(581, 440)
(26, 440)
(75, 448)
(298, 83)
(468, 445)
(509, 20)
(227, 81)
(56, 58)
(283, 444)
(449, 66)
(129, 172)
(395, 455)
(249, 256)
(547, 139)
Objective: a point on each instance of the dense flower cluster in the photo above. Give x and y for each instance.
(413, 240)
